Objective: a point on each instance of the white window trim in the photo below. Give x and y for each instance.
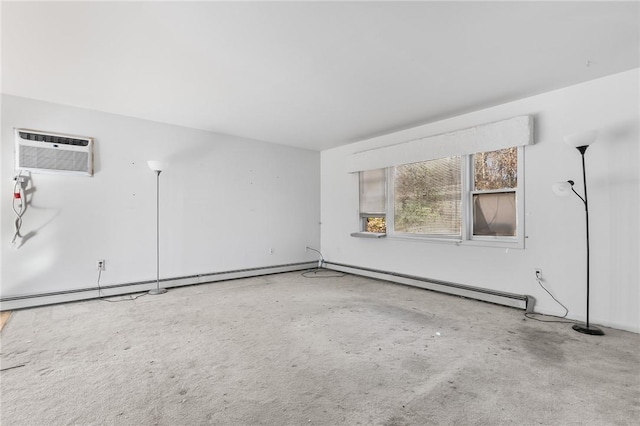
(492, 241)
(362, 216)
(466, 238)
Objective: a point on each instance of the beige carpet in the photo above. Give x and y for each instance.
(287, 350)
(4, 317)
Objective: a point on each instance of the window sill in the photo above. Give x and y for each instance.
(488, 242)
(425, 239)
(497, 243)
(368, 235)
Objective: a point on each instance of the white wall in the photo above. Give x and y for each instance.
(554, 226)
(225, 202)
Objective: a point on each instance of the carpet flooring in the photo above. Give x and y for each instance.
(289, 350)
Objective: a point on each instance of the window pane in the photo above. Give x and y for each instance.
(376, 224)
(494, 214)
(496, 169)
(428, 197)
(372, 191)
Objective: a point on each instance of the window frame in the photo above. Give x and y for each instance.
(467, 189)
(363, 216)
(516, 241)
(391, 230)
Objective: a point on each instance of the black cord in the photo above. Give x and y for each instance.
(124, 300)
(315, 271)
(113, 301)
(528, 315)
(320, 268)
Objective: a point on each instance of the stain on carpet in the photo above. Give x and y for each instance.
(543, 345)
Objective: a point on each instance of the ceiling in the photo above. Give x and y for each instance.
(314, 75)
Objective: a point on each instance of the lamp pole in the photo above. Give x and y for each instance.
(157, 167)
(587, 328)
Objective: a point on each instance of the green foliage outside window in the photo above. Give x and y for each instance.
(428, 197)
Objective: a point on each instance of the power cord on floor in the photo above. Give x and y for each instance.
(566, 310)
(314, 271)
(130, 298)
(331, 274)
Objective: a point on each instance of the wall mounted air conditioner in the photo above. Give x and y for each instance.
(44, 152)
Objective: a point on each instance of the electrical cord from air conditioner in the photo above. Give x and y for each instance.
(566, 310)
(19, 205)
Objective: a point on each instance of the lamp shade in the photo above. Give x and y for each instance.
(581, 139)
(562, 188)
(156, 166)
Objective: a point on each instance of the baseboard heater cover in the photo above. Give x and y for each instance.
(11, 303)
(493, 296)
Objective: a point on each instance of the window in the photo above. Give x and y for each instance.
(495, 180)
(373, 201)
(427, 197)
(469, 198)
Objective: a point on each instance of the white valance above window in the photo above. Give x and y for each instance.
(515, 131)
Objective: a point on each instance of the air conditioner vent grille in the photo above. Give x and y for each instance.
(45, 152)
(54, 159)
(53, 139)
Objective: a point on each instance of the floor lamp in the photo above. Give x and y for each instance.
(581, 142)
(156, 166)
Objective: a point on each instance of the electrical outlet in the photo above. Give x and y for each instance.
(538, 273)
(100, 265)
(271, 250)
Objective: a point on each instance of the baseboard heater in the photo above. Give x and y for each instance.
(477, 293)
(11, 303)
